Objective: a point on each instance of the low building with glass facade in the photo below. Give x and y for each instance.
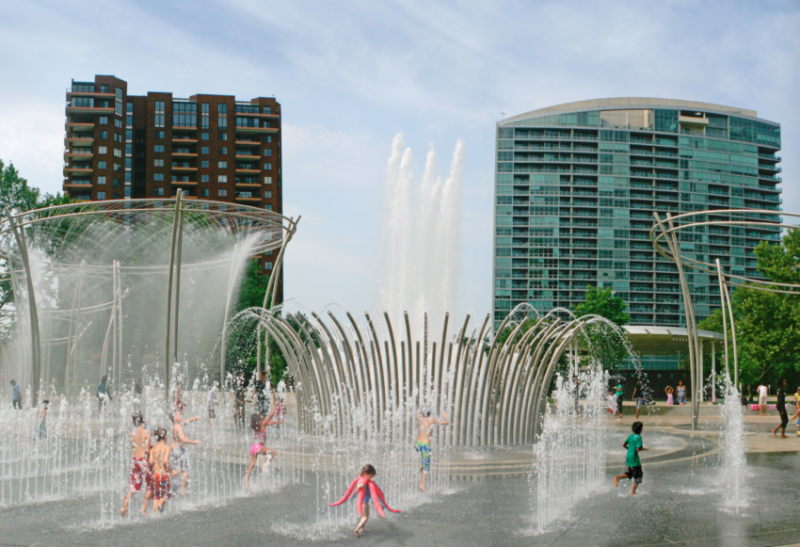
(576, 186)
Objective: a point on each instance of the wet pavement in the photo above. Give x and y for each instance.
(680, 503)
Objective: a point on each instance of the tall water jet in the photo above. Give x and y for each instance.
(420, 236)
(732, 447)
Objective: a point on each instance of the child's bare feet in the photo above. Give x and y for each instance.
(357, 533)
(633, 492)
(123, 511)
(616, 482)
(143, 512)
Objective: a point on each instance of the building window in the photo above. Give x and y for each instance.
(128, 149)
(222, 178)
(223, 193)
(128, 177)
(222, 122)
(127, 191)
(158, 149)
(159, 177)
(267, 110)
(159, 134)
(204, 136)
(129, 107)
(268, 166)
(203, 178)
(129, 135)
(222, 164)
(101, 195)
(103, 88)
(159, 120)
(204, 108)
(267, 180)
(204, 192)
(103, 120)
(223, 151)
(222, 108)
(269, 138)
(102, 150)
(117, 182)
(204, 150)
(117, 152)
(222, 137)
(101, 180)
(102, 164)
(160, 106)
(268, 151)
(158, 163)
(267, 194)
(204, 122)
(128, 121)
(117, 138)
(204, 164)
(128, 163)
(268, 208)
(117, 167)
(158, 191)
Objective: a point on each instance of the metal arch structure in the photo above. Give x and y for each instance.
(665, 237)
(55, 228)
(493, 389)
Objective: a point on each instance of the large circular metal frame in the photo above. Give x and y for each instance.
(241, 220)
(664, 235)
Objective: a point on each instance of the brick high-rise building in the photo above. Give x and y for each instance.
(121, 146)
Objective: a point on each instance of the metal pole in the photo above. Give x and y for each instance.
(713, 370)
(724, 321)
(225, 322)
(34, 314)
(119, 325)
(167, 352)
(179, 209)
(113, 323)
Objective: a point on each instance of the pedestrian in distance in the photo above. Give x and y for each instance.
(781, 407)
(41, 429)
(211, 403)
(634, 445)
(681, 389)
(618, 393)
(669, 392)
(103, 396)
(16, 396)
(763, 391)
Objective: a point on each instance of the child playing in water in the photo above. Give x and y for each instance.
(364, 488)
(259, 426)
(41, 431)
(425, 425)
(159, 463)
(634, 445)
(140, 467)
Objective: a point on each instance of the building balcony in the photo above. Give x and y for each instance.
(77, 185)
(81, 125)
(183, 168)
(184, 183)
(240, 129)
(246, 142)
(257, 115)
(250, 199)
(184, 154)
(95, 94)
(78, 155)
(89, 110)
(183, 128)
(248, 171)
(248, 185)
(77, 171)
(184, 140)
(247, 158)
(76, 141)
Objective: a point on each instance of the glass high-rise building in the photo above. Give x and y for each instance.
(576, 186)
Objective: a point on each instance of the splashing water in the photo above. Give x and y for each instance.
(732, 448)
(420, 239)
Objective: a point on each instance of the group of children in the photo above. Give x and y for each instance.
(153, 466)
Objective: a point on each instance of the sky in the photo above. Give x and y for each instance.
(351, 75)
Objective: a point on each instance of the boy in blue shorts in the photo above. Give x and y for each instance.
(634, 445)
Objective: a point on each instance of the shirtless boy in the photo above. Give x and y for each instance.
(140, 468)
(179, 459)
(160, 464)
(425, 424)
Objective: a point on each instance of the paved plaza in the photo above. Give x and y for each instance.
(489, 503)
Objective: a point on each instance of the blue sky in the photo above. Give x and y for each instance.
(351, 75)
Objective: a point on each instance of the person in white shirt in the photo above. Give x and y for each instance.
(762, 400)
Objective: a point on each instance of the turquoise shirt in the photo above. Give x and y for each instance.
(634, 442)
(618, 389)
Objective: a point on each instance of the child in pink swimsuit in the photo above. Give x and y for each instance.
(259, 425)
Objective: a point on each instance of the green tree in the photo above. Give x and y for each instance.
(767, 323)
(603, 340)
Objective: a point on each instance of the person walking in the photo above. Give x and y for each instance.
(762, 400)
(179, 458)
(16, 396)
(618, 393)
(781, 407)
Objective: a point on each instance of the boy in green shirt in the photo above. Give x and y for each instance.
(634, 445)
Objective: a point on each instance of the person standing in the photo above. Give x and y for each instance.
(425, 425)
(618, 393)
(669, 391)
(179, 458)
(681, 393)
(41, 430)
(102, 393)
(239, 392)
(260, 394)
(212, 403)
(781, 407)
(762, 400)
(639, 401)
(16, 396)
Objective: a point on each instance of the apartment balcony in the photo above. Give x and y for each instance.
(80, 125)
(78, 141)
(90, 110)
(248, 185)
(183, 154)
(248, 199)
(184, 140)
(77, 171)
(247, 158)
(78, 155)
(248, 171)
(94, 94)
(184, 183)
(262, 130)
(183, 167)
(77, 185)
(247, 142)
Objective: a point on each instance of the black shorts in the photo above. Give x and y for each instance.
(635, 473)
(784, 417)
